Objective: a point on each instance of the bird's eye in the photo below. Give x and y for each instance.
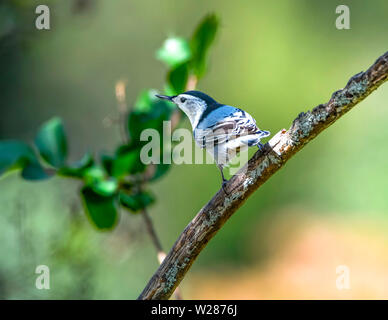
(183, 100)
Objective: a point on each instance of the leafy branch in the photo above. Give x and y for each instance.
(121, 179)
(257, 171)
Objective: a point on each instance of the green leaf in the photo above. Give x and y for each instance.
(34, 171)
(161, 168)
(201, 41)
(145, 100)
(168, 90)
(122, 163)
(105, 187)
(127, 161)
(14, 154)
(19, 155)
(177, 78)
(107, 163)
(139, 119)
(136, 202)
(96, 178)
(93, 174)
(78, 168)
(51, 142)
(174, 51)
(101, 210)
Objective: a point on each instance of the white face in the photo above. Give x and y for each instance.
(192, 106)
(185, 101)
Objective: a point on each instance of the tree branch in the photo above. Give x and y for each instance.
(257, 171)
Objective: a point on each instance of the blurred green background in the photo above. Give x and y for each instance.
(327, 207)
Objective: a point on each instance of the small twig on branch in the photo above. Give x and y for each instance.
(153, 236)
(158, 246)
(257, 171)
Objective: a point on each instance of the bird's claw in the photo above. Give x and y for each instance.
(223, 186)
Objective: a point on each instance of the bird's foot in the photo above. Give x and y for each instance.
(224, 186)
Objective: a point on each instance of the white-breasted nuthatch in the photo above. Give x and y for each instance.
(221, 129)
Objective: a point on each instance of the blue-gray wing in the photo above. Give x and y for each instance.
(214, 116)
(224, 124)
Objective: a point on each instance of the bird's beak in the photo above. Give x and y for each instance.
(169, 98)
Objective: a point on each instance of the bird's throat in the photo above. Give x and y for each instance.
(194, 115)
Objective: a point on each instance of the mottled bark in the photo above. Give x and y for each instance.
(260, 167)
